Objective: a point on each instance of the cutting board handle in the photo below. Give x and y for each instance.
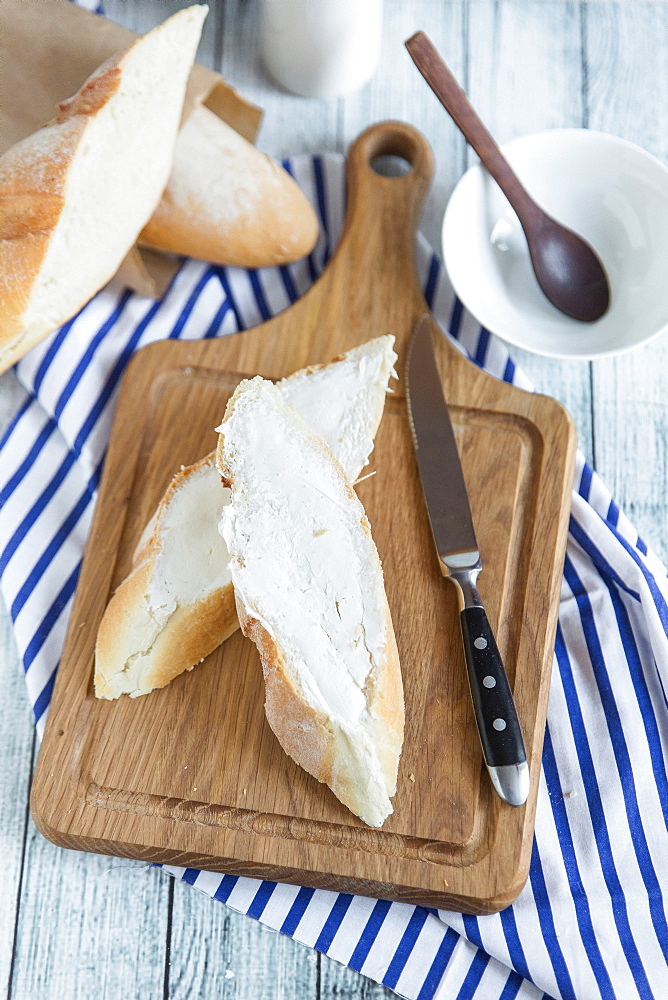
(372, 193)
(377, 245)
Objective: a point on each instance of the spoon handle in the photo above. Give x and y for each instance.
(458, 106)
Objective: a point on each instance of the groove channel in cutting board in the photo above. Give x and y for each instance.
(192, 774)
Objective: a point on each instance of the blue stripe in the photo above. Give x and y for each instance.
(224, 280)
(260, 299)
(641, 546)
(512, 987)
(226, 886)
(297, 910)
(288, 283)
(322, 205)
(613, 514)
(36, 509)
(28, 462)
(54, 612)
(333, 922)
(473, 976)
(432, 279)
(113, 379)
(18, 416)
(546, 920)
(483, 345)
(49, 620)
(599, 561)
(585, 481)
(54, 546)
(620, 914)
(214, 326)
(405, 947)
(439, 965)
(260, 900)
(472, 929)
(369, 934)
(81, 437)
(580, 900)
(44, 698)
(185, 313)
(88, 354)
(456, 318)
(601, 564)
(509, 371)
(513, 943)
(644, 698)
(55, 345)
(190, 875)
(623, 759)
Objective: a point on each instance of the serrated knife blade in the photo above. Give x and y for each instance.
(449, 512)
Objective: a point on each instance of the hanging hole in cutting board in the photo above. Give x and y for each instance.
(391, 165)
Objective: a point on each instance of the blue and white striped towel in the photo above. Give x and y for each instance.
(591, 921)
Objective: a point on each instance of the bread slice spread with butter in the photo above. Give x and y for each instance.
(310, 594)
(177, 605)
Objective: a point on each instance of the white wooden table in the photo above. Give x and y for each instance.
(80, 926)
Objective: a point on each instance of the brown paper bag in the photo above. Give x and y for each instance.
(47, 49)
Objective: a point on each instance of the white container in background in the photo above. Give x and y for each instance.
(321, 48)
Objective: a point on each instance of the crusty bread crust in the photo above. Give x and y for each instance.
(32, 195)
(34, 175)
(192, 631)
(317, 741)
(228, 203)
(314, 740)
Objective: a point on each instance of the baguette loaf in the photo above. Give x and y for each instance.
(75, 195)
(228, 203)
(309, 591)
(177, 605)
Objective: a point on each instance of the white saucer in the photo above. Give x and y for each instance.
(607, 190)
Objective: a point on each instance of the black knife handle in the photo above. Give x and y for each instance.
(495, 712)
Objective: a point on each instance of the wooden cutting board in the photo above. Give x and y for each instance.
(192, 775)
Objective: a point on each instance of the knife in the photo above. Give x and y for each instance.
(449, 513)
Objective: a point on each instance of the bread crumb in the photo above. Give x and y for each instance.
(411, 777)
(244, 791)
(368, 476)
(317, 534)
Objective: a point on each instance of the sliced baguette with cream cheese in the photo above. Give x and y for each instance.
(309, 591)
(177, 605)
(75, 195)
(228, 203)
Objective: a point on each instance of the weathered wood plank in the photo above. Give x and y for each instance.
(215, 949)
(88, 926)
(398, 91)
(143, 15)
(291, 124)
(15, 760)
(627, 56)
(520, 48)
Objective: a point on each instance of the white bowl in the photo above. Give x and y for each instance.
(607, 190)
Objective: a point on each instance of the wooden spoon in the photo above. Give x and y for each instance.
(568, 271)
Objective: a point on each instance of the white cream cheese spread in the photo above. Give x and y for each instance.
(300, 560)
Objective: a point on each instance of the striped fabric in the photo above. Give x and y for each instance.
(591, 922)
